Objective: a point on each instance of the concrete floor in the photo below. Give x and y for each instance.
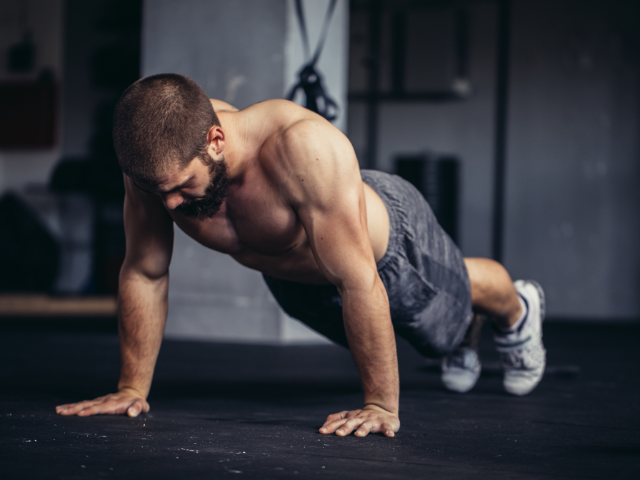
(242, 411)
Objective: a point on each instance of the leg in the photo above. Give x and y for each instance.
(492, 291)
(522, 352)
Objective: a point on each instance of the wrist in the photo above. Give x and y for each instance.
(133, 389)
(381, 407)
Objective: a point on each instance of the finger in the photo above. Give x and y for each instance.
(64, 407)
(336, 416)
(333, 418)
(364, 429)
(387, 430)
(67, 406)
(349, 426)
(73, 408)
(113, 406)
(333, 426)
(135, 408)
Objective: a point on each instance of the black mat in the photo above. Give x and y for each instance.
(241, 411)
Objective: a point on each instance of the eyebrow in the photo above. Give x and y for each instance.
(178, 187)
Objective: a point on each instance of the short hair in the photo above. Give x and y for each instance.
(159, 121)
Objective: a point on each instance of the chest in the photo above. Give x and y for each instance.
(254, 220)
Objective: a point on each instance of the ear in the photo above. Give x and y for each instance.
(215, 141)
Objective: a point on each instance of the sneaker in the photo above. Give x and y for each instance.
(522, 354)
(461, 368)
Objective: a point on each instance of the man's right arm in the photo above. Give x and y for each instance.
(142, 305)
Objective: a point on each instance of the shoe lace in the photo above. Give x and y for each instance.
(526, 358)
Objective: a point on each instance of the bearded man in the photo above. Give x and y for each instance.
(353, 254)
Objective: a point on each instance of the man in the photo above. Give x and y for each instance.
(352, 254)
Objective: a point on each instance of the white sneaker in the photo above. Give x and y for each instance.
(522, 354)
(461, 369)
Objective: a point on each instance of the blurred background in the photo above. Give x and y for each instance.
(518, 120)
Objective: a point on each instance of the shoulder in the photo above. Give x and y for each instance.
(291, 148)
(311, 159)
(306, 132)
(278, 111)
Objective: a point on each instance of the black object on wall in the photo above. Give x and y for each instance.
(28, 113)
(436, 177)
(110, 54)
(502, 97)
(310, 79)
(396, 42)
(21, 57)
(29, 255)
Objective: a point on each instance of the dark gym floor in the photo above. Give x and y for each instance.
(220, 410)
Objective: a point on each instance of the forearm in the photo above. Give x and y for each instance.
(142, 313)
(372, 342)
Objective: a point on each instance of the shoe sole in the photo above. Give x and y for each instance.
(462, 384)
(459, 379)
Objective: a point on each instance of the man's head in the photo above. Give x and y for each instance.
(164, 128)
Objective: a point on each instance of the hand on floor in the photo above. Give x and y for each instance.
(370, 419)
(127, 401)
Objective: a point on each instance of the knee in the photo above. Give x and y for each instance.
(480, 271)
(487, 278)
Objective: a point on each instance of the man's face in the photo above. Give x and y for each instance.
(216, 193)
(197, 191)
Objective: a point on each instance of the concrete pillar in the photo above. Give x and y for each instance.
(240, 51)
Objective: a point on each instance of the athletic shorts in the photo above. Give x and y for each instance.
(422, 270)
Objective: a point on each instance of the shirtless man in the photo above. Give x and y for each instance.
(353, 254)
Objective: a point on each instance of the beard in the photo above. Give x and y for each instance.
(215, 194)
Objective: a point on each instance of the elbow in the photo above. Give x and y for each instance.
(141, 272)
(366, 281)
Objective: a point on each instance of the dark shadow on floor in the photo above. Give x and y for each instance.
(221, 409)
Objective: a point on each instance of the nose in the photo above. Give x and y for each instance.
(173, 200)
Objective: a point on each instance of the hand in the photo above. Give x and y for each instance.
(370, 419)
(126, 400)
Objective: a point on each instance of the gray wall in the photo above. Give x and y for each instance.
(19, 168)
(464, 128)
(233, 48)
(240, 51)
(573, 204)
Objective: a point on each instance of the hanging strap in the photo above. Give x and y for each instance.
(303, 28)
(310, 82)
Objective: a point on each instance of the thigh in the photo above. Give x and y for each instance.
(424, 311)
(423, 271)
(317, 306)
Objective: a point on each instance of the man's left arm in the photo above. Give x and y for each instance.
(327, 193)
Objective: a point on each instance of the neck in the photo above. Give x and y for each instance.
(237, 149)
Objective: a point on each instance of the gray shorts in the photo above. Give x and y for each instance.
(422, 270)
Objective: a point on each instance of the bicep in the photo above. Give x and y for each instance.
(329, 199)
(148, 231)
(340, 241)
